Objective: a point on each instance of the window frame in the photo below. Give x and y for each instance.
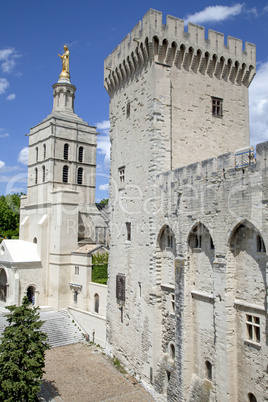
(80, 176)
(217, 107)
(121, 171)
(253, 328)
(43, 174)
(128, 229)
(66, 152)
(65, 174)
(80, 154)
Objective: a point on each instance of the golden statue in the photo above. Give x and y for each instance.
(65, 63)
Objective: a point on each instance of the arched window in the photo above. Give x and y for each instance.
(80, 176)
(44, 173)
(252, 398)
(31, 294)
(80, 154)
(96, 303)
(45, 151)
(208, 370)
(36, 176)
(66, 152)
(65, 172)
(35, 240)
(3, 285)
(36, 154)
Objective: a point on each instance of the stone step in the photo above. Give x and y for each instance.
(59, 327)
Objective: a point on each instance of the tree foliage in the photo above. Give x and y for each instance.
(9, 215)
(99, 268)
(22, 354)
(104, 201)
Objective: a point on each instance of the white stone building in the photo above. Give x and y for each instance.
(60, 225)
(187, 290)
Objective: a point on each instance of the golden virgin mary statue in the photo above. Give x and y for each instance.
(65, 58)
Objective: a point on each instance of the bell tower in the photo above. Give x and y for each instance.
(61, 188)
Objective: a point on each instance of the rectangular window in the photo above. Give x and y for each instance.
(128, 109)
(253, 328)
(120, 286)
(121, 177)
(76, 270)
(217, 106)
(128, 226)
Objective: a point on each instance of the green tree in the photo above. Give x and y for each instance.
(99, 268)
(104, 201)
(10, 215)
(22, 354)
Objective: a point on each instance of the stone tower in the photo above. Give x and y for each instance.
(61, 192)
(175, 98)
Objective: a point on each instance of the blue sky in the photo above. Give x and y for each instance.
(32, 33)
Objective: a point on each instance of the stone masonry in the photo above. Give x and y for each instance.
(187, 298)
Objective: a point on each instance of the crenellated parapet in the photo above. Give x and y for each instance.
(216, 169)
(150, 41)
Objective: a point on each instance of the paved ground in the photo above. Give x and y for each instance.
(82, 373)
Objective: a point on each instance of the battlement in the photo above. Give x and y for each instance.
(170, 44)
(214, 169)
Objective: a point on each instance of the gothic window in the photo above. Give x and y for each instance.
(96, 303)
(36, 154)
(217, 104)
(120, 286)
(80, 154)
(128, 109)
(128, 226)
(121, 177)
(253, 328)
(208, 370)
(66, 152)
(36, 176)
(45, 151)
(260, 245)
(65, 172)
(44, 173)
(80, 176)
(252, 398)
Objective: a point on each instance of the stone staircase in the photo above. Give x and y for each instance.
(59, 326)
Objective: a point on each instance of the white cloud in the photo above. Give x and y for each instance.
(3, 85)
(7, 59)
(11, 97)
(2, 164)
(104, 187)
(104, 126)
(23, 156)
(4, 135)
(214, 13)
(104, 149)
(258, 106)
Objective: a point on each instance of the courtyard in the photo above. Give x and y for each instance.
(82, 373)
